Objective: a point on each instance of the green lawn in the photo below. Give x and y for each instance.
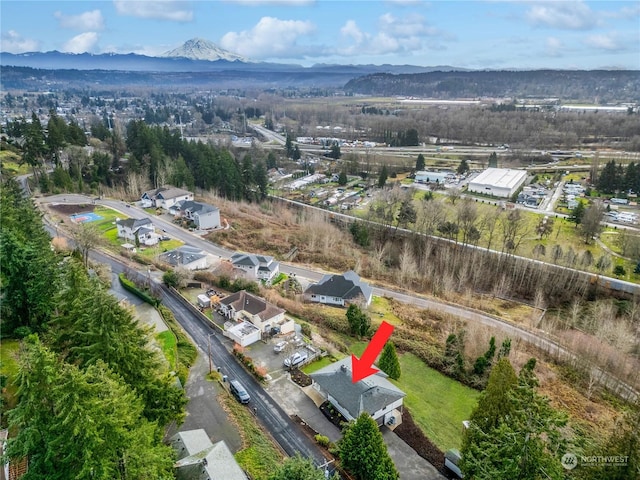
(168, 344)
(9, 367)
(317, 365)
(380, 311)
(159, 248)
(437, 403)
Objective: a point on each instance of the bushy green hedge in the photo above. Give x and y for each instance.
(131, 287)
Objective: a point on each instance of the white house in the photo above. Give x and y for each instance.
(498, 182)
(243, 333)
(199, 458)
(339, 290)
(165, 197)
(203, 215)
(188, 257)
(142, 228)
(257, 267)
(374, 395)
(243, 306)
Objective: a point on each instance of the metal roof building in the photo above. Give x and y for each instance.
(499, 182)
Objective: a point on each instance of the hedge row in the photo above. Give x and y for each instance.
(131, 287)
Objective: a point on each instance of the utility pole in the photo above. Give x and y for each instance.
(209, 351)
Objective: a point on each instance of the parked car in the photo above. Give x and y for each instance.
(279, 346)
(295, 359)
(239, 391)
(451, 460)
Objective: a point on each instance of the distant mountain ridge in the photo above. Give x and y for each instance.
(201, 49)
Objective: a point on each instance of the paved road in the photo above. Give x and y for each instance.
(513, 331)
(286, 432)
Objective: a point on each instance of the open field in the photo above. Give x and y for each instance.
(168, 345)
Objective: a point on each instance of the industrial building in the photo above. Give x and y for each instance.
(499, 182)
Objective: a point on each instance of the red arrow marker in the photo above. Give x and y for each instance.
(362, 368)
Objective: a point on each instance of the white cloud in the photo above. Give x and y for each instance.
(13, 42)
(554, 47)
(85, 42)
(563, 15)
(172, 10)
(395, 35)
(271, 37)
(608, 42)
(351, 30)
(87, 21)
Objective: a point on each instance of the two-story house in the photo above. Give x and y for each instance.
(257, 267)
(165, 197)
(140, 228)
(204, 216)
(243, 306)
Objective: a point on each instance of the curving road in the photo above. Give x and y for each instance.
(284, 430)
(513, 331)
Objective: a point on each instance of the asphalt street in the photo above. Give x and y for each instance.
(284, 430)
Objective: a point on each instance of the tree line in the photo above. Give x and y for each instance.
(93, 399)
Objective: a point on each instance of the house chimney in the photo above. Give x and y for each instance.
(343, 367)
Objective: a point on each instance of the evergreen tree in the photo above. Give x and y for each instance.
(577, 213)
(298, 468)
(84, 425)
(288, 146)
(363, 452)
(342, 178)
(608, 181)
(493, 160)
(335, 151)
(420, 163)
(513, 433)
(382, 178)
(389, 362)
(463, 167)
(359, 321)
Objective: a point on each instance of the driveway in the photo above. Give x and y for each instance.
(409, 464)
(204, 410)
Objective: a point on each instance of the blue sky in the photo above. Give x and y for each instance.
(473, 34)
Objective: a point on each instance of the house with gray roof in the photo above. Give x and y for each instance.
(374, 395)
(186, 256)
(340, 290)
(164, 197)
(257, 267)
(141, 228)
(200, 459)
(203, 215)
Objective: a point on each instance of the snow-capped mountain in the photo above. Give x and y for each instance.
(201, 49)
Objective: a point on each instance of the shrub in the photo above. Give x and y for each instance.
(322, 440)
(131, 287)
(22, 332)
(306, 329)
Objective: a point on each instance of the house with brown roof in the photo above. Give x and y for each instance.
(243, 306)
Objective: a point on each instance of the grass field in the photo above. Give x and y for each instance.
(9, 368)
(168, 345)
(437, 403)
(380, 310)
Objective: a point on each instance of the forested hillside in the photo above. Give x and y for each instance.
(600, 86)
(93, 399)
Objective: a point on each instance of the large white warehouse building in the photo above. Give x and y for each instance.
(499, 182)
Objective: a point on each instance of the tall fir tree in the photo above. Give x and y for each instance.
(389, 362)
(363, 452)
